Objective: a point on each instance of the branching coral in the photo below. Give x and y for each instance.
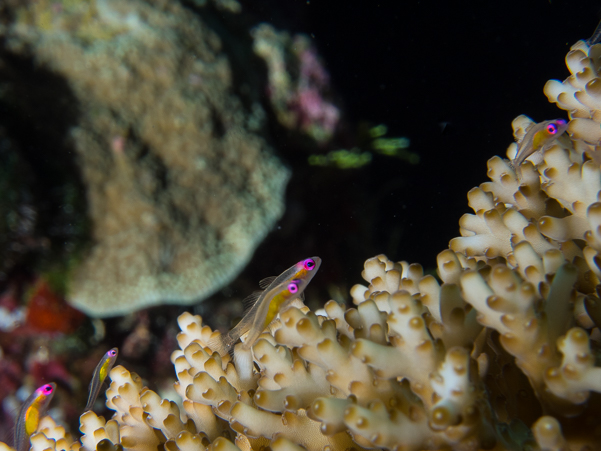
(500, 353)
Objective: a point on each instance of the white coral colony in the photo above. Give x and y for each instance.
(497, 353)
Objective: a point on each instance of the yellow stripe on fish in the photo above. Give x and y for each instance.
(31, 412)
(279, 292)
(538, 137)
(100, 373)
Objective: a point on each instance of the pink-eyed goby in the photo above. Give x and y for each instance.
(263, 306)
(100, 374)
(32, 411)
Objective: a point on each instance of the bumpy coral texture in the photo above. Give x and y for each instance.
(181, 186)
(498, 353)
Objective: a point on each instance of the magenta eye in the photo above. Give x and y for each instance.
(309, 264)
(46, 389)
(552, 129)
(292, 287)
(112, 353)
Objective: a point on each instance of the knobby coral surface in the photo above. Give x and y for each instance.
(181, 186)
(501, 352)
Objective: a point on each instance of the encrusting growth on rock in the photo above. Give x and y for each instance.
(181, 185)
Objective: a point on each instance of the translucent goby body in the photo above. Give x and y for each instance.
(539, 137)
(264, 305)
(33, 409)
(100, 374)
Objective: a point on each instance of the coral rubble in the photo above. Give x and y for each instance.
(501, 352)
(181, 186)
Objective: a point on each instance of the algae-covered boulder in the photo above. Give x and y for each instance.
(181, 187)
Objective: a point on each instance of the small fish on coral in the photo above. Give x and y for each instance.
(264, 306)
(538, 138)
(33, 409)
(100, 373)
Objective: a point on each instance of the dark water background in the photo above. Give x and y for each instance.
(450, 76)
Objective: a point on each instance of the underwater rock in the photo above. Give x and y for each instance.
(180, 186)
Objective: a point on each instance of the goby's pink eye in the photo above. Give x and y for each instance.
(293, 287)
(552, 129)
(46, 389)
(309, 264)
(112, 353)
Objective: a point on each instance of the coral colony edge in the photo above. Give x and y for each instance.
(498, 353)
